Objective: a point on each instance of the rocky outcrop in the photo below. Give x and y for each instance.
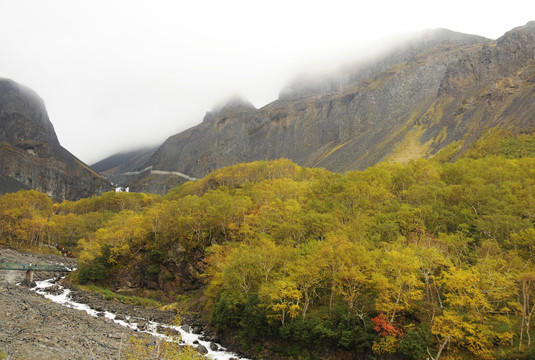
(412, 103)
(30, 153)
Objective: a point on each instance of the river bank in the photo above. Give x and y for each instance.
(32, 327)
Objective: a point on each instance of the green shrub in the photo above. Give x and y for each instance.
(153, 269)
(82, 274)
(310, 333)
(156, 256)
(129, 299)
(98, 272)
(356, 335)
(414, 345)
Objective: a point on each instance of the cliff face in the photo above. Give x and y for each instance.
(30, 153)
(412, 103)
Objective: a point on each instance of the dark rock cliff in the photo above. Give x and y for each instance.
(30, 153)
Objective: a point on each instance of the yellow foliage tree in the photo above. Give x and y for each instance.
(283, 299)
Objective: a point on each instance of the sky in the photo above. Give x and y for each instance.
(118, 75)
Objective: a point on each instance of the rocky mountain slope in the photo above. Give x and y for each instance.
(440, 88)
(30, 153)
(309, 85)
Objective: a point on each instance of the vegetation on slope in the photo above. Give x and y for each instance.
(424, 259)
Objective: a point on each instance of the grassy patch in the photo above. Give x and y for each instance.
(502, 142)
(447, 153)
(410, 148)
(128, 299)
(329, 152)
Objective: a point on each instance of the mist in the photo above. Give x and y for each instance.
(122, 75)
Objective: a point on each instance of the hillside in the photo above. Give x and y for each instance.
(31, 156)
(428, 259)
(441, 88)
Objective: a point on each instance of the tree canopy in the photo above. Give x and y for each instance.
(425, 259)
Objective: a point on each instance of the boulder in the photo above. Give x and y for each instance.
(202, 349)
(186, 328)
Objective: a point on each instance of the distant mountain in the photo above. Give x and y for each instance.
(114, 167)
(438, 88)
(131, 169)
(31, 156)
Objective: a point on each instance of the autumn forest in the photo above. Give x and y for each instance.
(429, 259)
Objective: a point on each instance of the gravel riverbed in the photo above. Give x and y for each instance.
(33, 327)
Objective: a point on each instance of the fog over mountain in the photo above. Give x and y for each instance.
(123, 74)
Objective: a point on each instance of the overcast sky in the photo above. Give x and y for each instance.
(120, 74)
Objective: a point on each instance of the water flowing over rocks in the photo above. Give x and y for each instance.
(33, 328)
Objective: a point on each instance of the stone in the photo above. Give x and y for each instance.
(202, 349)
(171, 332)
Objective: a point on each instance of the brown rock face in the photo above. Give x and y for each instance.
(31, 155)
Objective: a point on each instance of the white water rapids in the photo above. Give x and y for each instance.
(187, 337)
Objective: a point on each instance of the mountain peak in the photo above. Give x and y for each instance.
(530, 25)
(439, 88)
(30, 153)
(233, 104)
(444, 36)
(236, 101)
(20, 99)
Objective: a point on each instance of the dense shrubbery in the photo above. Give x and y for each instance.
(415, 259)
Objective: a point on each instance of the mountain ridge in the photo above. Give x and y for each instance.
(400, 52)
(441, 92)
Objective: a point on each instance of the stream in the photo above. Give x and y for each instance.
(151, 327)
